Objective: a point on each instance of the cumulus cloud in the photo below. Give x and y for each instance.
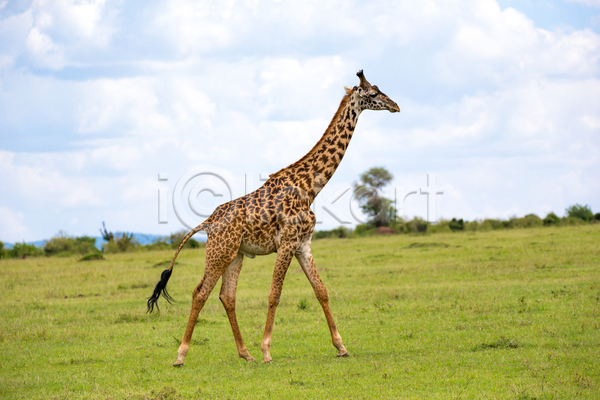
(45, 53)
(11, 226)
(55, 34)
(44, 178)
(591, 3)
(97, 97)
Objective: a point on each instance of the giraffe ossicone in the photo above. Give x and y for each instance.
(274, 218)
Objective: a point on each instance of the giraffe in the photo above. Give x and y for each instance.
(276, 218)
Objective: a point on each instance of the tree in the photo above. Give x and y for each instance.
(123, 243)
(456, 225)
(551, 219)
(126, 242)
(106, 235)
(368, 194)
(581, 212)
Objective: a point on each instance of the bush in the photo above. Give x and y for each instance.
(472, 226)
(442, 226)
(597, 217)
(455, 225)
(528, 221)
(24, 250)
(489, 224)
(502, 224)
(122, 244)
(582, 212)
(339, 232)
(92, 257)
(63, 245)
(172, 242)
(160, 244)
(571, 221)
(362, 230)
(551, 219)
(416, 225)
(175, 239)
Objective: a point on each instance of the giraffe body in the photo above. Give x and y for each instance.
(275, 218)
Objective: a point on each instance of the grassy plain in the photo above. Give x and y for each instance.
(512, 314)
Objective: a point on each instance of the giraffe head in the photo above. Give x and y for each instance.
(370, 97)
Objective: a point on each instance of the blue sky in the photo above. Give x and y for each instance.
(500, 99)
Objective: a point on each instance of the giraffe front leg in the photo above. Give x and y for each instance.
(285, 253)
(305, 258)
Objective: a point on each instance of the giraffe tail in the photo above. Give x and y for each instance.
(161, 286)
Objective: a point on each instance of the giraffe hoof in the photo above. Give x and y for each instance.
(269, 361)
(178, 365)
(346, 354)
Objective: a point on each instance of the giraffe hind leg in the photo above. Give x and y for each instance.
(221, 250)
(227, 297)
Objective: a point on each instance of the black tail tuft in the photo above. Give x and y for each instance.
(161, 287)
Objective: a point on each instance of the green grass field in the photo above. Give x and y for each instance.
(512, 314)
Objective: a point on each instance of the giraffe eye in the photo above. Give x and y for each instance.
(373, 94)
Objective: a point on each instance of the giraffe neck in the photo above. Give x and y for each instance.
(312, 172)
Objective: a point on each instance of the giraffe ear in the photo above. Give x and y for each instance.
(348, 89)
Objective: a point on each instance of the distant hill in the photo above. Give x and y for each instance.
(145, 238)
(38, 243)
(142, 238)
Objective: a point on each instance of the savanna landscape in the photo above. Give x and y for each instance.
(502, 314)
(451, 270)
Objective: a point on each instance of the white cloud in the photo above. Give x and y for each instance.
(505, 112)
(44, 51)
(576, 54)
(591, 3)
(14, 30)
(11, 226)
(44, 178)
(109, 104)
(196, 26)
(489, 33)
(71, 21)
(55, 34)
(143, 106)
(503, 48)
(592, 122)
